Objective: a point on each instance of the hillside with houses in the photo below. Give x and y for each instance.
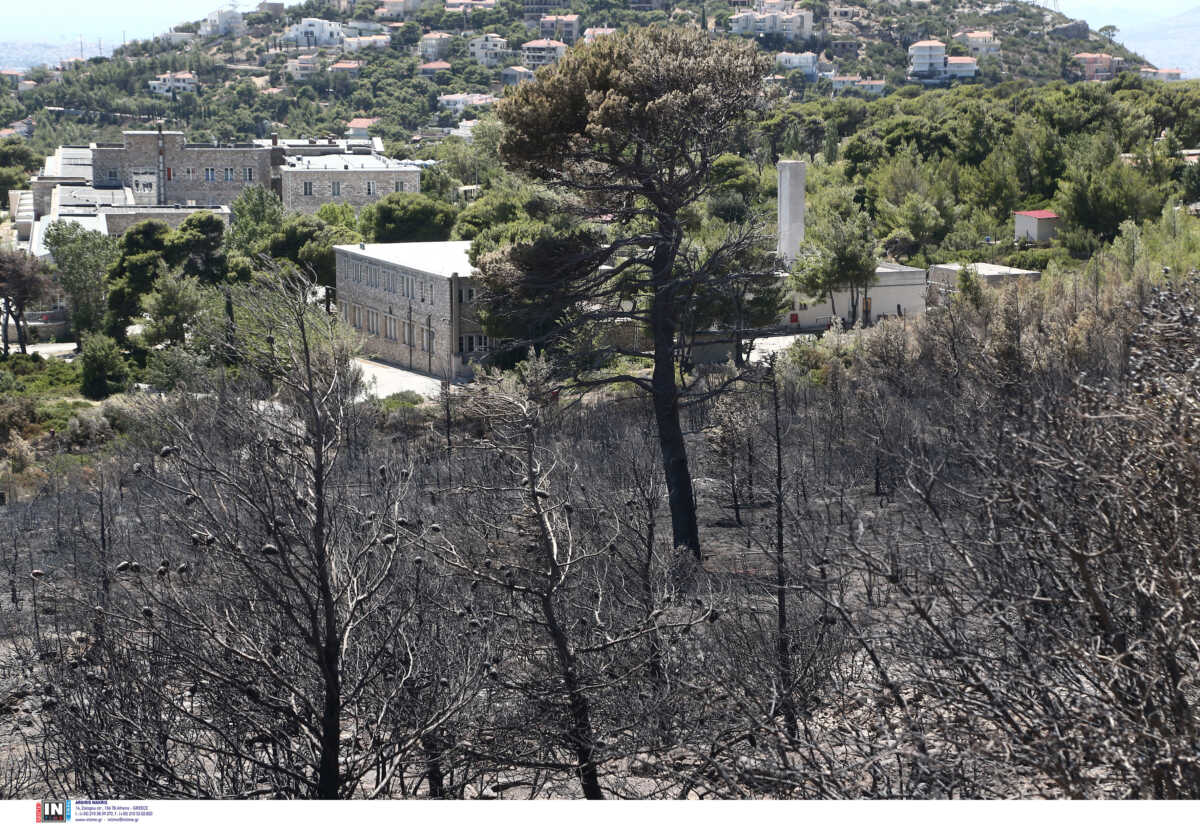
(421, 66)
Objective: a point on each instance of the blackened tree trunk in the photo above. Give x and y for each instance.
(684, 529)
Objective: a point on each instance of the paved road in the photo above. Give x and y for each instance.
(47, 350)
(384, 380)
(777, 343)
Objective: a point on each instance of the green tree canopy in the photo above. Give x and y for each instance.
(82, 257)
(404, 217)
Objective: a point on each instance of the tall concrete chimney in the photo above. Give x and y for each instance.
(792, 174)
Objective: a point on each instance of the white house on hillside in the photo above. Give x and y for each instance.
(312, 31)
(927, 59)
(221, 22)
(488, 49)
(174, 83)
(542, 52)
(802, 61)
(979, 43)
(793, 24)
(434, 45)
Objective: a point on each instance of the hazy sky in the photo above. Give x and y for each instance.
(94, 19)
(1124, 13)
(106, 19)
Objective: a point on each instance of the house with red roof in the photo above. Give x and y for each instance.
(433, 67)
(357, 128)
(1036, 226)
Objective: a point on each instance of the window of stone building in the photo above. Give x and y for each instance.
(335, 189)
(229, 175)
(357, 322)
(249, 174)
(308, 188)
(390, 331)
(372, 321)
(210, 175)
(168, 173)
(370, 188)
(112, 174)
(399, 186)
(189, 173)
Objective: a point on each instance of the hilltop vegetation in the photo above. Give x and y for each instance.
(235, 71)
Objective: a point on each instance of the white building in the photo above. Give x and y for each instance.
(592, 32)
(979, 43)
(368, 41)
(221, 22)
(793, 25)
(944, 276)
(1036, 226)
(488, 49)
(302, 66)
(841, 82)
(468, 6)
(801, 61)
(961, 68)
(177, 38)
(412, 303)
(1165, 75)
(174, 83)
(927, 59)
(358, 128)
(515, 75)
(313, 31)
(871, 88)
(434, 45)
(458, 102)
(564, 27)
(403, 9)
(543, 52)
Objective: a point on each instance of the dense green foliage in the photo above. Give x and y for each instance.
(103, 370)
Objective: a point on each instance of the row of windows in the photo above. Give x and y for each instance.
(393, 329)
(335, 188)
(228, 174)
(390, 281)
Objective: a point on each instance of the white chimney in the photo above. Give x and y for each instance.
(792, 175)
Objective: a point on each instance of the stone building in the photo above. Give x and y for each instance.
(413, 303)
(163, 168)
(305, 183)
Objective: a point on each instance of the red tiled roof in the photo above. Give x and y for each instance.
(362, 122)
(435, 64)
(543, 44)
(1040, 214)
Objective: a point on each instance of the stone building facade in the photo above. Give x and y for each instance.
(413, 304)
(305, 183)
(162, 168)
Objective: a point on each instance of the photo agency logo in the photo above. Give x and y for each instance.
(53, 811)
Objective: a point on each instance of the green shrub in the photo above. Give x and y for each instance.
(103, 368)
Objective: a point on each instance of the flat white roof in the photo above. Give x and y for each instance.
(442, 258)
(336, 162)
(987, 270)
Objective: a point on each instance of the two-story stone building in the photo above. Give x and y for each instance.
(163, 168)
(358, 179)
(413, 303)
